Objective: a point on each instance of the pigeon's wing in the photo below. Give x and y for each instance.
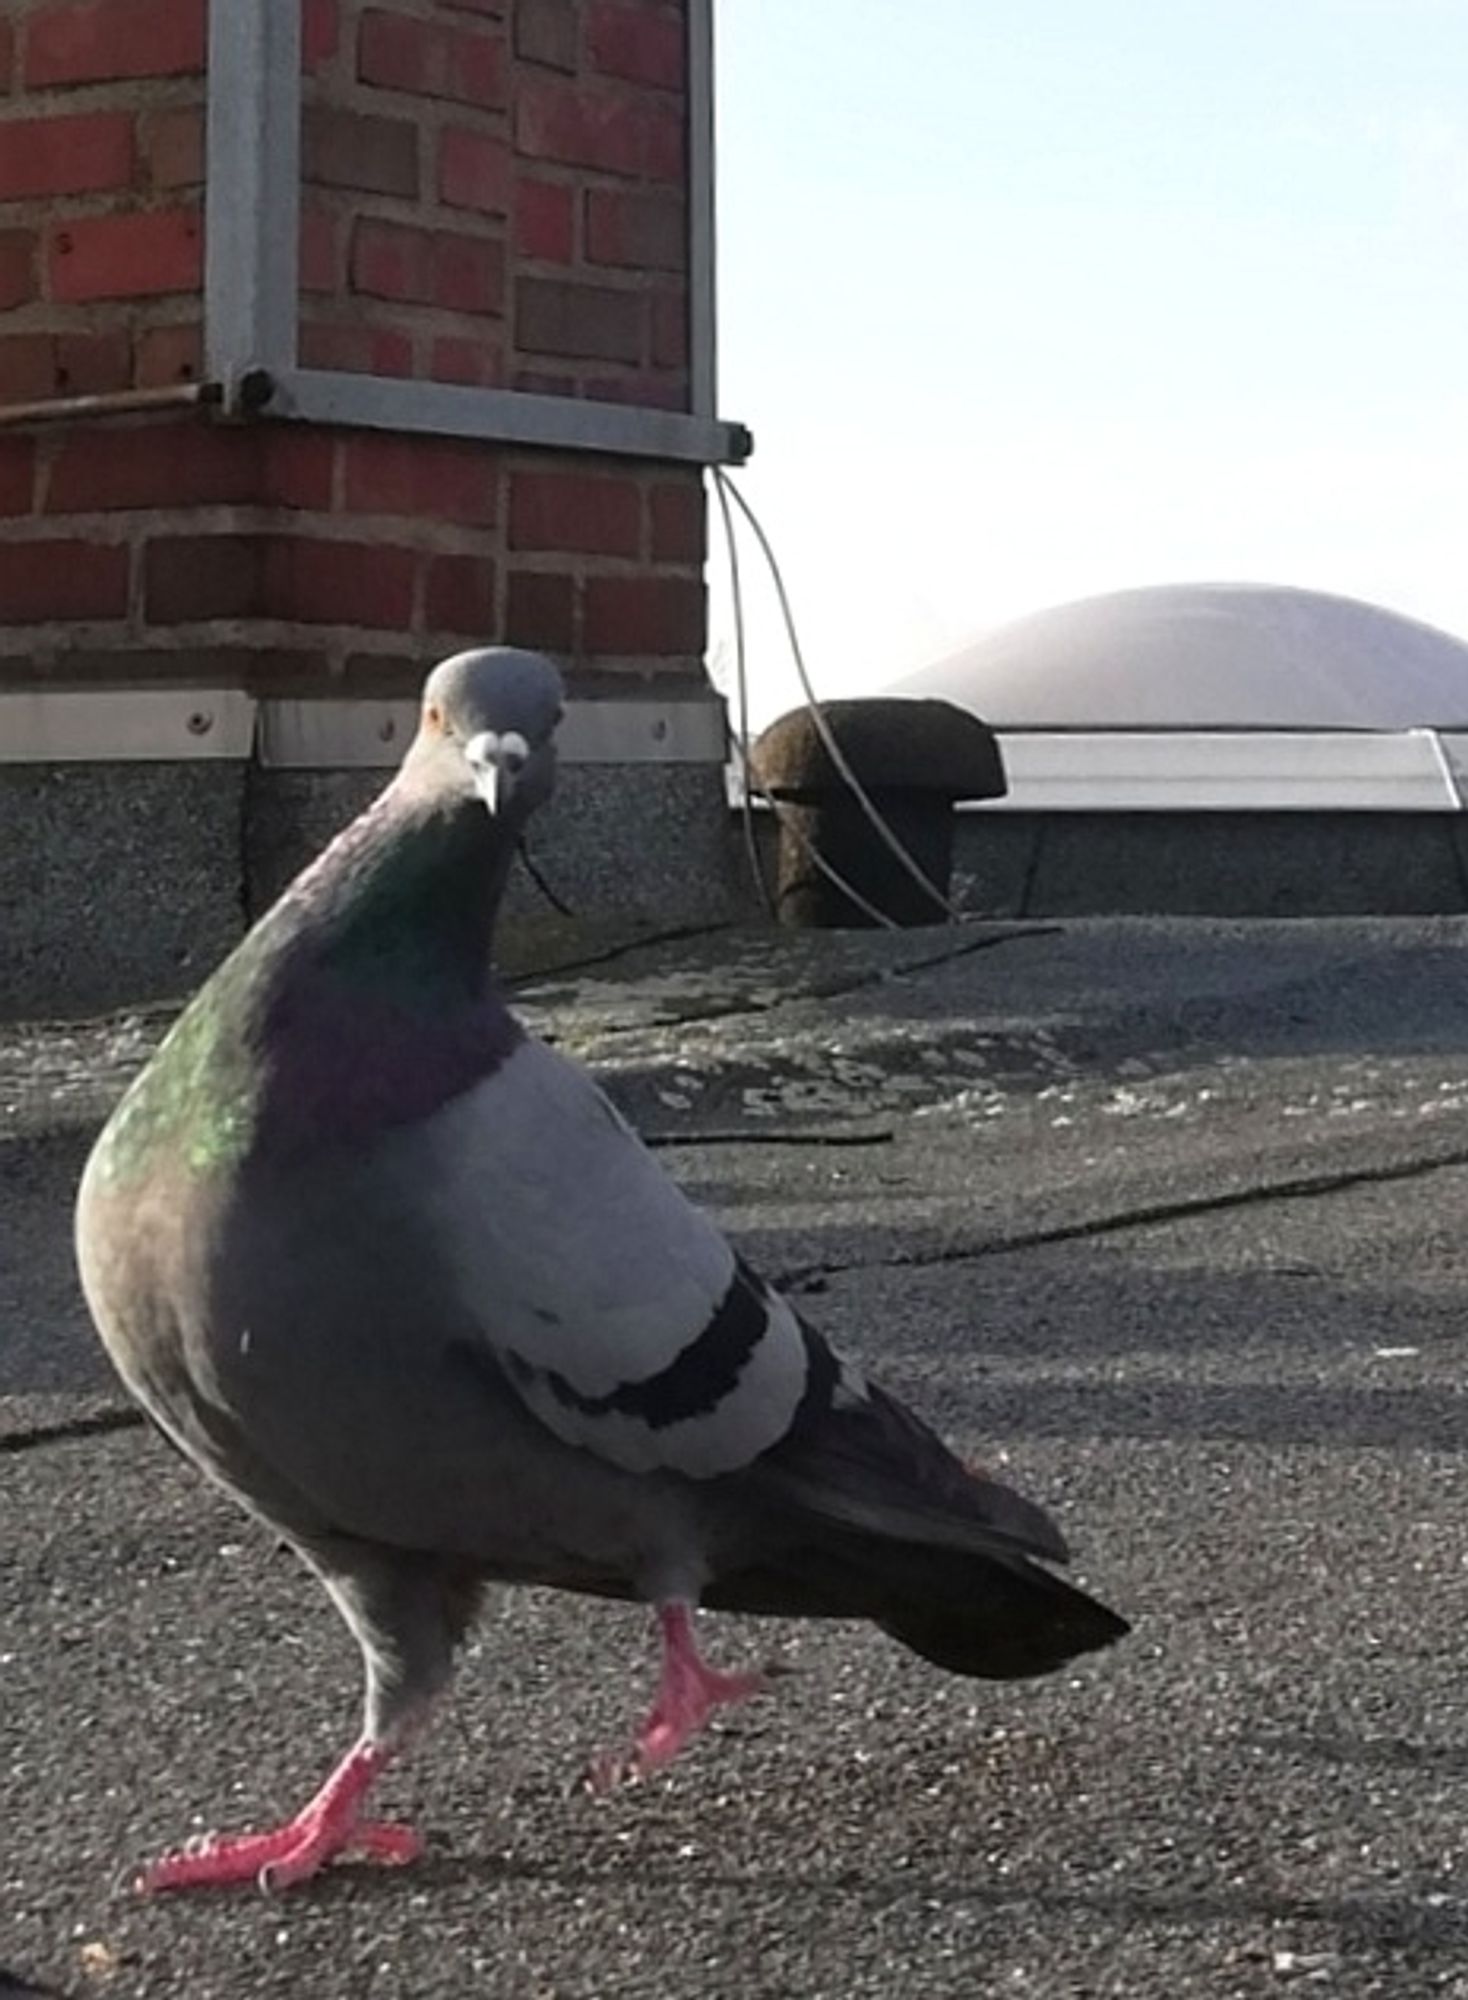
(628, 1326)
(614, 1306)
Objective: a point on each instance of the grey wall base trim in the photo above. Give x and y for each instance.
(127, 883)
(172, 724)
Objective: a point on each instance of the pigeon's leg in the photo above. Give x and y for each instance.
(328, 1825)
(688, 1693)
(407, 1622)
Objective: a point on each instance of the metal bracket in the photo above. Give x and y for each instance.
(251, 295)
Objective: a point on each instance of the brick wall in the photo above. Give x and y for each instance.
(101, 175)
(286, 558)
(494, 194)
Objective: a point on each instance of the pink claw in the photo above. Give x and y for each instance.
(329, 1825)
(689, 1692)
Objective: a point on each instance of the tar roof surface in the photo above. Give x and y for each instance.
(1165, 1217)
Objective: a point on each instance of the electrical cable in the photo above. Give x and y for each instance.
(750, 784)
(557, 904)
(822, 727)
(741, 682)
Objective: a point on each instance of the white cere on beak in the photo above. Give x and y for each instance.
(496, 762)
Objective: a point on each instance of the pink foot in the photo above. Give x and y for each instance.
(688, 1694)
(330, 1825)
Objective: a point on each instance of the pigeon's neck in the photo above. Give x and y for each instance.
(362, 1001)
(403, 902)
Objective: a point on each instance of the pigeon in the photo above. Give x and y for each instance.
(399, 1278)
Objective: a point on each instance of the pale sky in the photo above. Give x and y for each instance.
(1027, 299)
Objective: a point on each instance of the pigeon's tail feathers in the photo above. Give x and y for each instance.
(971, 1612)
(939, 1554)
(996, 1621)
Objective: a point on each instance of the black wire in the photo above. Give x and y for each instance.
(561, 908)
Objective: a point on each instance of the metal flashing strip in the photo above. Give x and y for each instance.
(338, 735)
(703, 375)
(253, 222)
(507, 416)
(1173, 770)
(124, 725)
(171, 725)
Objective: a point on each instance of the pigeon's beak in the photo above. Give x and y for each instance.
(495, 762)
(492, 782)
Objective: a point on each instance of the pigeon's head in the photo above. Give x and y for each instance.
(488, 727)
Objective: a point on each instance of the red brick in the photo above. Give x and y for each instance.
(340, 583)
(175, 464)
(62, 579)
(170, 354)
(318, 252)
(388, 676)
(187, 577)
(546, 32)
(127, 256)
(540, 609)
(193, 463)
(678, 522)
(436, 479)
(358, 150)
(664, 143)
(27, 367)
(468, 273)
(545, 221)
(647, 388)
(320, 32)
(544, 382)
(670, 329)
(89, 364)
(643, 614)
(638, 231)
(17, 267)
(102, 41)
(474, 361)
(297, 466)
(555, 316)
(49, 156)
(458, 596)
(275, 671)
(578, 127)
(636, 43)
(473, 171)
(173, 146)
(392, 260)
(357, 349)
(430, 60)
(7, 54)
(575, 512)
(17, 474)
